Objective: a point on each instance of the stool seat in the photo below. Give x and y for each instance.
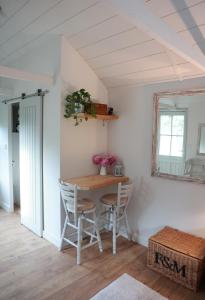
(111, 199)
(85, 205)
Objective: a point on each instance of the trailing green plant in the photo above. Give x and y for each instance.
(77, 103)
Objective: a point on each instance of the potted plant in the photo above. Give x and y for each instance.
(76, 103)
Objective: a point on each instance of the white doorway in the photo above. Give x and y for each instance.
(26, 167)
(15, 155)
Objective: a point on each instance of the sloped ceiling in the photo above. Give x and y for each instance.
(119, 53)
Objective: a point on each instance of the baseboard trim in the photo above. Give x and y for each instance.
(51, 238)
(5, 206)
(123, 234)
(142, 240)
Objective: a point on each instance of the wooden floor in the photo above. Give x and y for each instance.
(32, 268)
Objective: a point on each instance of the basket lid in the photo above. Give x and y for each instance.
(182, 242)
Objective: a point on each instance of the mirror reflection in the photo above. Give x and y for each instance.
(180, 136)
(201, 139)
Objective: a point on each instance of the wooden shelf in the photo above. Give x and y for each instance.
(92, 182)
(99, 117)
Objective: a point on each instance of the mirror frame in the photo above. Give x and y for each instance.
(156, 99)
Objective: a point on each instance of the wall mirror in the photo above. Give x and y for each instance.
(178, 147)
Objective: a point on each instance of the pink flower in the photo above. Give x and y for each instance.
(104, 160)
(112, 159)
(97, 159)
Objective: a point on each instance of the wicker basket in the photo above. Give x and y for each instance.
(177, 255)
(100, 109)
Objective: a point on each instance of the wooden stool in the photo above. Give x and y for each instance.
(76, 211)
(115, 206)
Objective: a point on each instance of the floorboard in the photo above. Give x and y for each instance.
(31, 268)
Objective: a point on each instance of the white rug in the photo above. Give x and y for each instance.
(127, 288)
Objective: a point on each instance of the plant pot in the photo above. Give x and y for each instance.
(79, 108)
(103, 171)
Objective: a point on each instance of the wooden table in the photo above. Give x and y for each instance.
(94, 182)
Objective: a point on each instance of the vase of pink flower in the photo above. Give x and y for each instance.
(103, 171)
(104, 161)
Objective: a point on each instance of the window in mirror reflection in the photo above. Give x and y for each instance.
(201, 139)
(171, 141)
(172, 134)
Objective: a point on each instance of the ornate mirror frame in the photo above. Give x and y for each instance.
(156, 98)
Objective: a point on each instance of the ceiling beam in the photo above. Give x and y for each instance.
(12, 73)
(137, 13)
(174, 65)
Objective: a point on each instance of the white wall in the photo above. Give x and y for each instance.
(79, 143)
(5, 182)
(156, 202)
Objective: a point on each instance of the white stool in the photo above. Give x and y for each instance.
(115, 206)
(76, 211)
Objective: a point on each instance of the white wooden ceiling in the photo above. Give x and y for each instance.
(119, 53)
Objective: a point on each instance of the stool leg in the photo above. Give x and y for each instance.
(106, 225)
(97, 232)
(127, 226)
(114, 232)
(91, 238)
(79, 239)
(63, 233)
(109, 220)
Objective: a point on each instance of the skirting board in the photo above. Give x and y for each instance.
(51, 238)
(5, 206)
(142, 240)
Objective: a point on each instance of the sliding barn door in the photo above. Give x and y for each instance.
(31, 163)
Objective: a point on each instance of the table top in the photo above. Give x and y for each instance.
(93, 182)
